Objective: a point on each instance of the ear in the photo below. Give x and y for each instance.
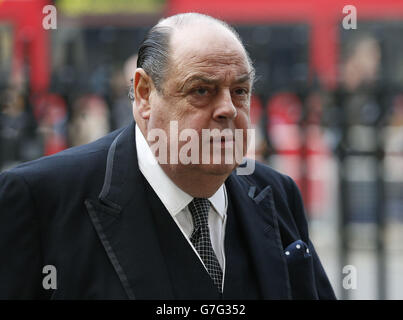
(142, 89)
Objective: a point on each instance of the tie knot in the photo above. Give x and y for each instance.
(199, 208)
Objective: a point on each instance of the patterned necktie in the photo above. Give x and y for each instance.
(199, 208)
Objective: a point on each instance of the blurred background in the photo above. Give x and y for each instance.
(328, 106)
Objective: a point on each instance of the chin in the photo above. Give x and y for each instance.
(218, 169)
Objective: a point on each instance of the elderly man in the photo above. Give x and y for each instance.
(111, 220)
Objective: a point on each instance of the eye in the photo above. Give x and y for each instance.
(241, 92)
(201, 91)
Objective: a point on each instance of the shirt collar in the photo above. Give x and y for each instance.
(173, 198)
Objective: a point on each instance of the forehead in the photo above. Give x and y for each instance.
(209, 50)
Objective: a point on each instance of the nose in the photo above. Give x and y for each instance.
(225, 108)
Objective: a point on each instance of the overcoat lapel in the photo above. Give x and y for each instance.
(123, 222)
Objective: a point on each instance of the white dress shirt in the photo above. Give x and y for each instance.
(176, 200)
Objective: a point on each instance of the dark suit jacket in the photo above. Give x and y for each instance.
(84, 211)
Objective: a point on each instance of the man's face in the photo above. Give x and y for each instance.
(208, 86)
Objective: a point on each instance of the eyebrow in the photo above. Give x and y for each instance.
(212, 80)
(244, 78)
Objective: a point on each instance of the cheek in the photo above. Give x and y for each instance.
(160, 114)
(190, 118)
(157, 119)
(242, 121)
